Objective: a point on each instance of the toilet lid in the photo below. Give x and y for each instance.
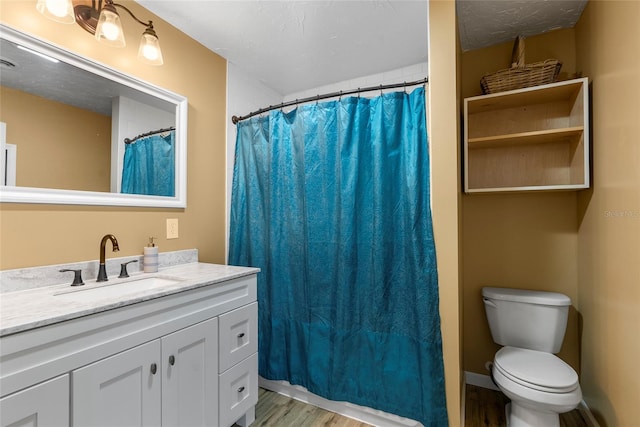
(536, 369)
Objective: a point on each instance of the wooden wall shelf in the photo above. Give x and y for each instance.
(528, 139)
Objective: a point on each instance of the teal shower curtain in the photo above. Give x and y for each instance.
(149, 166)
(332, 202)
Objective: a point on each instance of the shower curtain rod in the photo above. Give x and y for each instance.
(153, 132)
(236, 119)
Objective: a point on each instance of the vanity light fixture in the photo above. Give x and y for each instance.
(103, 21)
(57, 10)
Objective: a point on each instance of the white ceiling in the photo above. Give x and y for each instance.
(293, 45)
(484, 23)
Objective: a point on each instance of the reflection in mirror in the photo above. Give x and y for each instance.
(65, 122)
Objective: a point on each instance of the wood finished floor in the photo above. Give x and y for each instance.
(483, 407)
(276, 410)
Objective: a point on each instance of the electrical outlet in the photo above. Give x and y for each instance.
(172, 228)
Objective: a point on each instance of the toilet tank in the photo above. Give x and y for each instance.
(526, 319)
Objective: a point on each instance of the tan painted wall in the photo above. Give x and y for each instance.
(608, 44)
(34, 235)
(445, 187)
(525, 240)
(58, 146)
(46, 234)
(559, 44)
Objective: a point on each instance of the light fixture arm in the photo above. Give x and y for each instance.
(87, 16)
(148, 25)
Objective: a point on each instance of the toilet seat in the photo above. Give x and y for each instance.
(528, 399)
(536, 370)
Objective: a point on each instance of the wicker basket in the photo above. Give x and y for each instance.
(521, 75)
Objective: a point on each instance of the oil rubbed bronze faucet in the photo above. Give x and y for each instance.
(102, 270)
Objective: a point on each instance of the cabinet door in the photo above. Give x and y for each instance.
(190, 376)
(43, 405)
(121, 390)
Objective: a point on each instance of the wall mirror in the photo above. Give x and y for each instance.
(64, 124)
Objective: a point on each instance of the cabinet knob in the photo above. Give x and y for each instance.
(172, 360)
(241, 334)
(241, 389)
(154, 368)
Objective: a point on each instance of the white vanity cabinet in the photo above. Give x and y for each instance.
(156, 362)
(42, 405)
(171, 381)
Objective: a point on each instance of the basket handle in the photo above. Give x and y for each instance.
(517, 54)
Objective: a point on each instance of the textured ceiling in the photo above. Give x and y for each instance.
(296, 45)
(484, 23)
(60, 82)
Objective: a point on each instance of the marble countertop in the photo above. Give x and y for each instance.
(32, 308)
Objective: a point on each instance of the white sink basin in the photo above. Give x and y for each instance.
(118, 288)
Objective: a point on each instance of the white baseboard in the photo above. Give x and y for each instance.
(463, 402)
(480, 380)
(587, 415)
(350, 410)
(485, 381)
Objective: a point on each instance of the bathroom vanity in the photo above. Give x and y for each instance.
(174, 348)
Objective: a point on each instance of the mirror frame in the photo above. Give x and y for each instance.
(9, 194)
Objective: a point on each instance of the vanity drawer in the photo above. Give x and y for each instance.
(238, 390)
(238, 332)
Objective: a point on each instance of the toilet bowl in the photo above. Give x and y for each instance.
(531, 326)
(540, 385)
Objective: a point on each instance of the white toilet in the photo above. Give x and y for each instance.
(531, 326)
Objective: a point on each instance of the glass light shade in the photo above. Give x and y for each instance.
(57, 10)
(149, 51)
(109, 29)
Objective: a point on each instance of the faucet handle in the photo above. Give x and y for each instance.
(123, 268)
(77, 278)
